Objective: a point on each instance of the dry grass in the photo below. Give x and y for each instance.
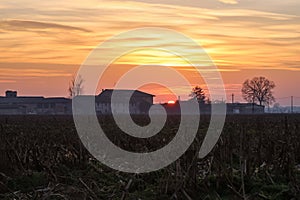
(257, 157)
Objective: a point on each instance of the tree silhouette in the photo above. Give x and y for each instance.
(75, 86)
(258, 90)
(198, 93)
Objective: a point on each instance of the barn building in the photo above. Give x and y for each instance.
(12, 104)
(139, 102)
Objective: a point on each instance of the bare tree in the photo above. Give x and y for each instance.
(258, 90)
(198, 93)
(75, 86)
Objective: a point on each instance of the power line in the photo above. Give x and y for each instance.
(287, 97)
(282, 97)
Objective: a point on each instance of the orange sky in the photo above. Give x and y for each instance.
(43, 43)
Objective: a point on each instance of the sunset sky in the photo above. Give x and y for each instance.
(43, 43)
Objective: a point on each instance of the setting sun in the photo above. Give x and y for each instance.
(171, 102)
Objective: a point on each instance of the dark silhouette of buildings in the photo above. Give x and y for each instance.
(231, 108)
(245, 108)
(139, 103)
(12, 104)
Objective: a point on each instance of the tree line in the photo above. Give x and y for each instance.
(259, 90)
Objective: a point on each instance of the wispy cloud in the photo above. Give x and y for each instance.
(222, 33)
(6, 72)
(23, 25)
(7, 81)
(229, 1)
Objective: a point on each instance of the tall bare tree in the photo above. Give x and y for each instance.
(75, 86)
(199, 94)
(258, 90)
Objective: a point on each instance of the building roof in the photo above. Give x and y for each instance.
(5, 107)
(9, 100)
(30, 100)
(135, 92)
(105, 96)
(57, 100)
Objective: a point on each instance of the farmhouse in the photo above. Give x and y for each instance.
(12, 104)
(139, 102)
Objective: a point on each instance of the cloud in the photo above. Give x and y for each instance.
(44, 32)
(8, 81)
(29, 25)
(229, 1)
(8, 72)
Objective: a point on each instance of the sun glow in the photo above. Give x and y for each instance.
(153, 57)
(171, 102)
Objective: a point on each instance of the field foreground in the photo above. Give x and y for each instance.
(257, 157)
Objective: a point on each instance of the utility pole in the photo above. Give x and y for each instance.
(253, 105)
(292, 104)
(232, 98)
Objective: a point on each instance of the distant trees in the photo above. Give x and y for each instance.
(198, 93)
(75, 86)
(277, 108)
(258, 90)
